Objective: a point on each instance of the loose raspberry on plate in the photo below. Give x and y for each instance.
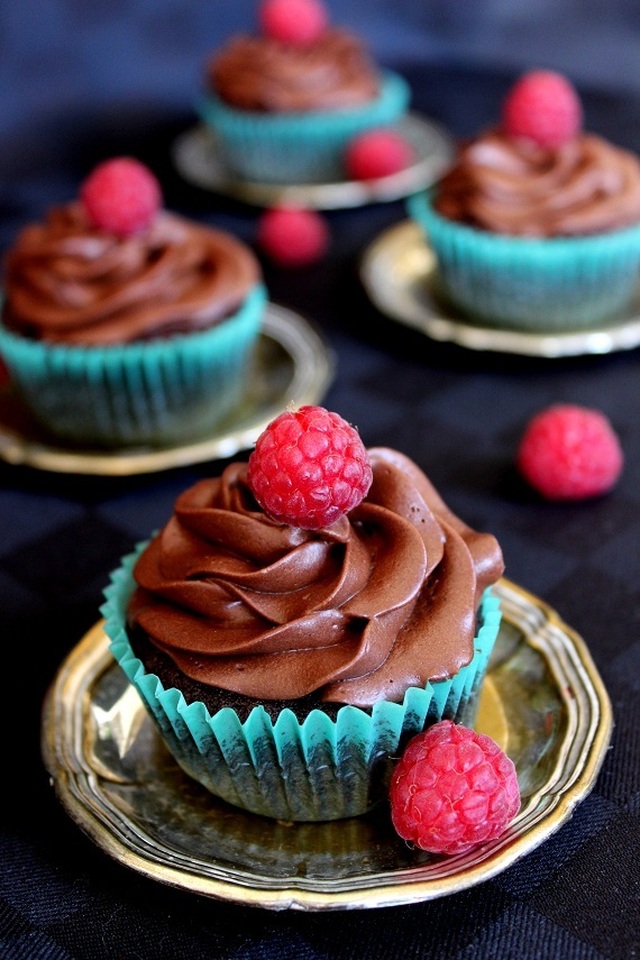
(452, 790)
(569, 452)
(309, 468)
(377, 153)
(299, 22)
(121, 196)
(542, 106)
(293, 236)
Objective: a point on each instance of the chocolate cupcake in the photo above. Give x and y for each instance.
(125, 324)
(287, 651)
(283, 105)
(536, 225)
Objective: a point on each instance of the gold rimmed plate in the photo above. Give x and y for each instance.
(197, 159)
(543, 702)
(292, 364)
(399, 273)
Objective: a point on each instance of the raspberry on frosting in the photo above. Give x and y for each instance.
(570, 452)
(377, 153)
(542, 106)
(309, 468)
(121, 196)
(298, 22)
(452, 789)
(293, 236)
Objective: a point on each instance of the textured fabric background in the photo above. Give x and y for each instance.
(84, 80)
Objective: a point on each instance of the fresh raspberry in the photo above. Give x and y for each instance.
(452, 789)
(309, 468)
(121, 196)
(299, 22)
(377, 153)
(568, 452)
(544, 107)
(293, 236)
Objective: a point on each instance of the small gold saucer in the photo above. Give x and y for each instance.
(293, 364)
(399, 273)
(543, 701)
(198, 161)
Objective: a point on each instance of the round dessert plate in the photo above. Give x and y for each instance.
(543, 702)
(399, 273)
(197, 159)
(292, 364)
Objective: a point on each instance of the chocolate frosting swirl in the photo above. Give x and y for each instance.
(383, 599)
(512, 186)
(264, 75)
(68, 282)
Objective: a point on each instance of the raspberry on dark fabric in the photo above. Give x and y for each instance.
(542, 106)
(298, 22)
(377, 153)
(452, 789)
(293, 236)
(121, 196)
(309, 468)
(570, 452)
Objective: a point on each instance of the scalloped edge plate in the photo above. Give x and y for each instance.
(543, 702)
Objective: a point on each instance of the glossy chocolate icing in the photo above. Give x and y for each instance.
(512, 186)
(68, 282)
(259, 74)
(384, 599)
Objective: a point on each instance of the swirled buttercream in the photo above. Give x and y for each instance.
(66, 281)
(260, 74)
(384, 599)
(512, 186)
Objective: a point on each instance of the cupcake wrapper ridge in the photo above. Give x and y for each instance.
(537, 284)
(152, 393)
(315, 769)
(297, 147)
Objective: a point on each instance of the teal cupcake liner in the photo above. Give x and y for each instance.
(534, 284)
(152, 393)
(297, 147)
(310, 770)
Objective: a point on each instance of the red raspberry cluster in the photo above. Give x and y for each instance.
(570, 452)
(121, 196)
(452, 790)
(293, 236)
(542, 106)
(309, 468)
(377, 153)
(298, 22)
